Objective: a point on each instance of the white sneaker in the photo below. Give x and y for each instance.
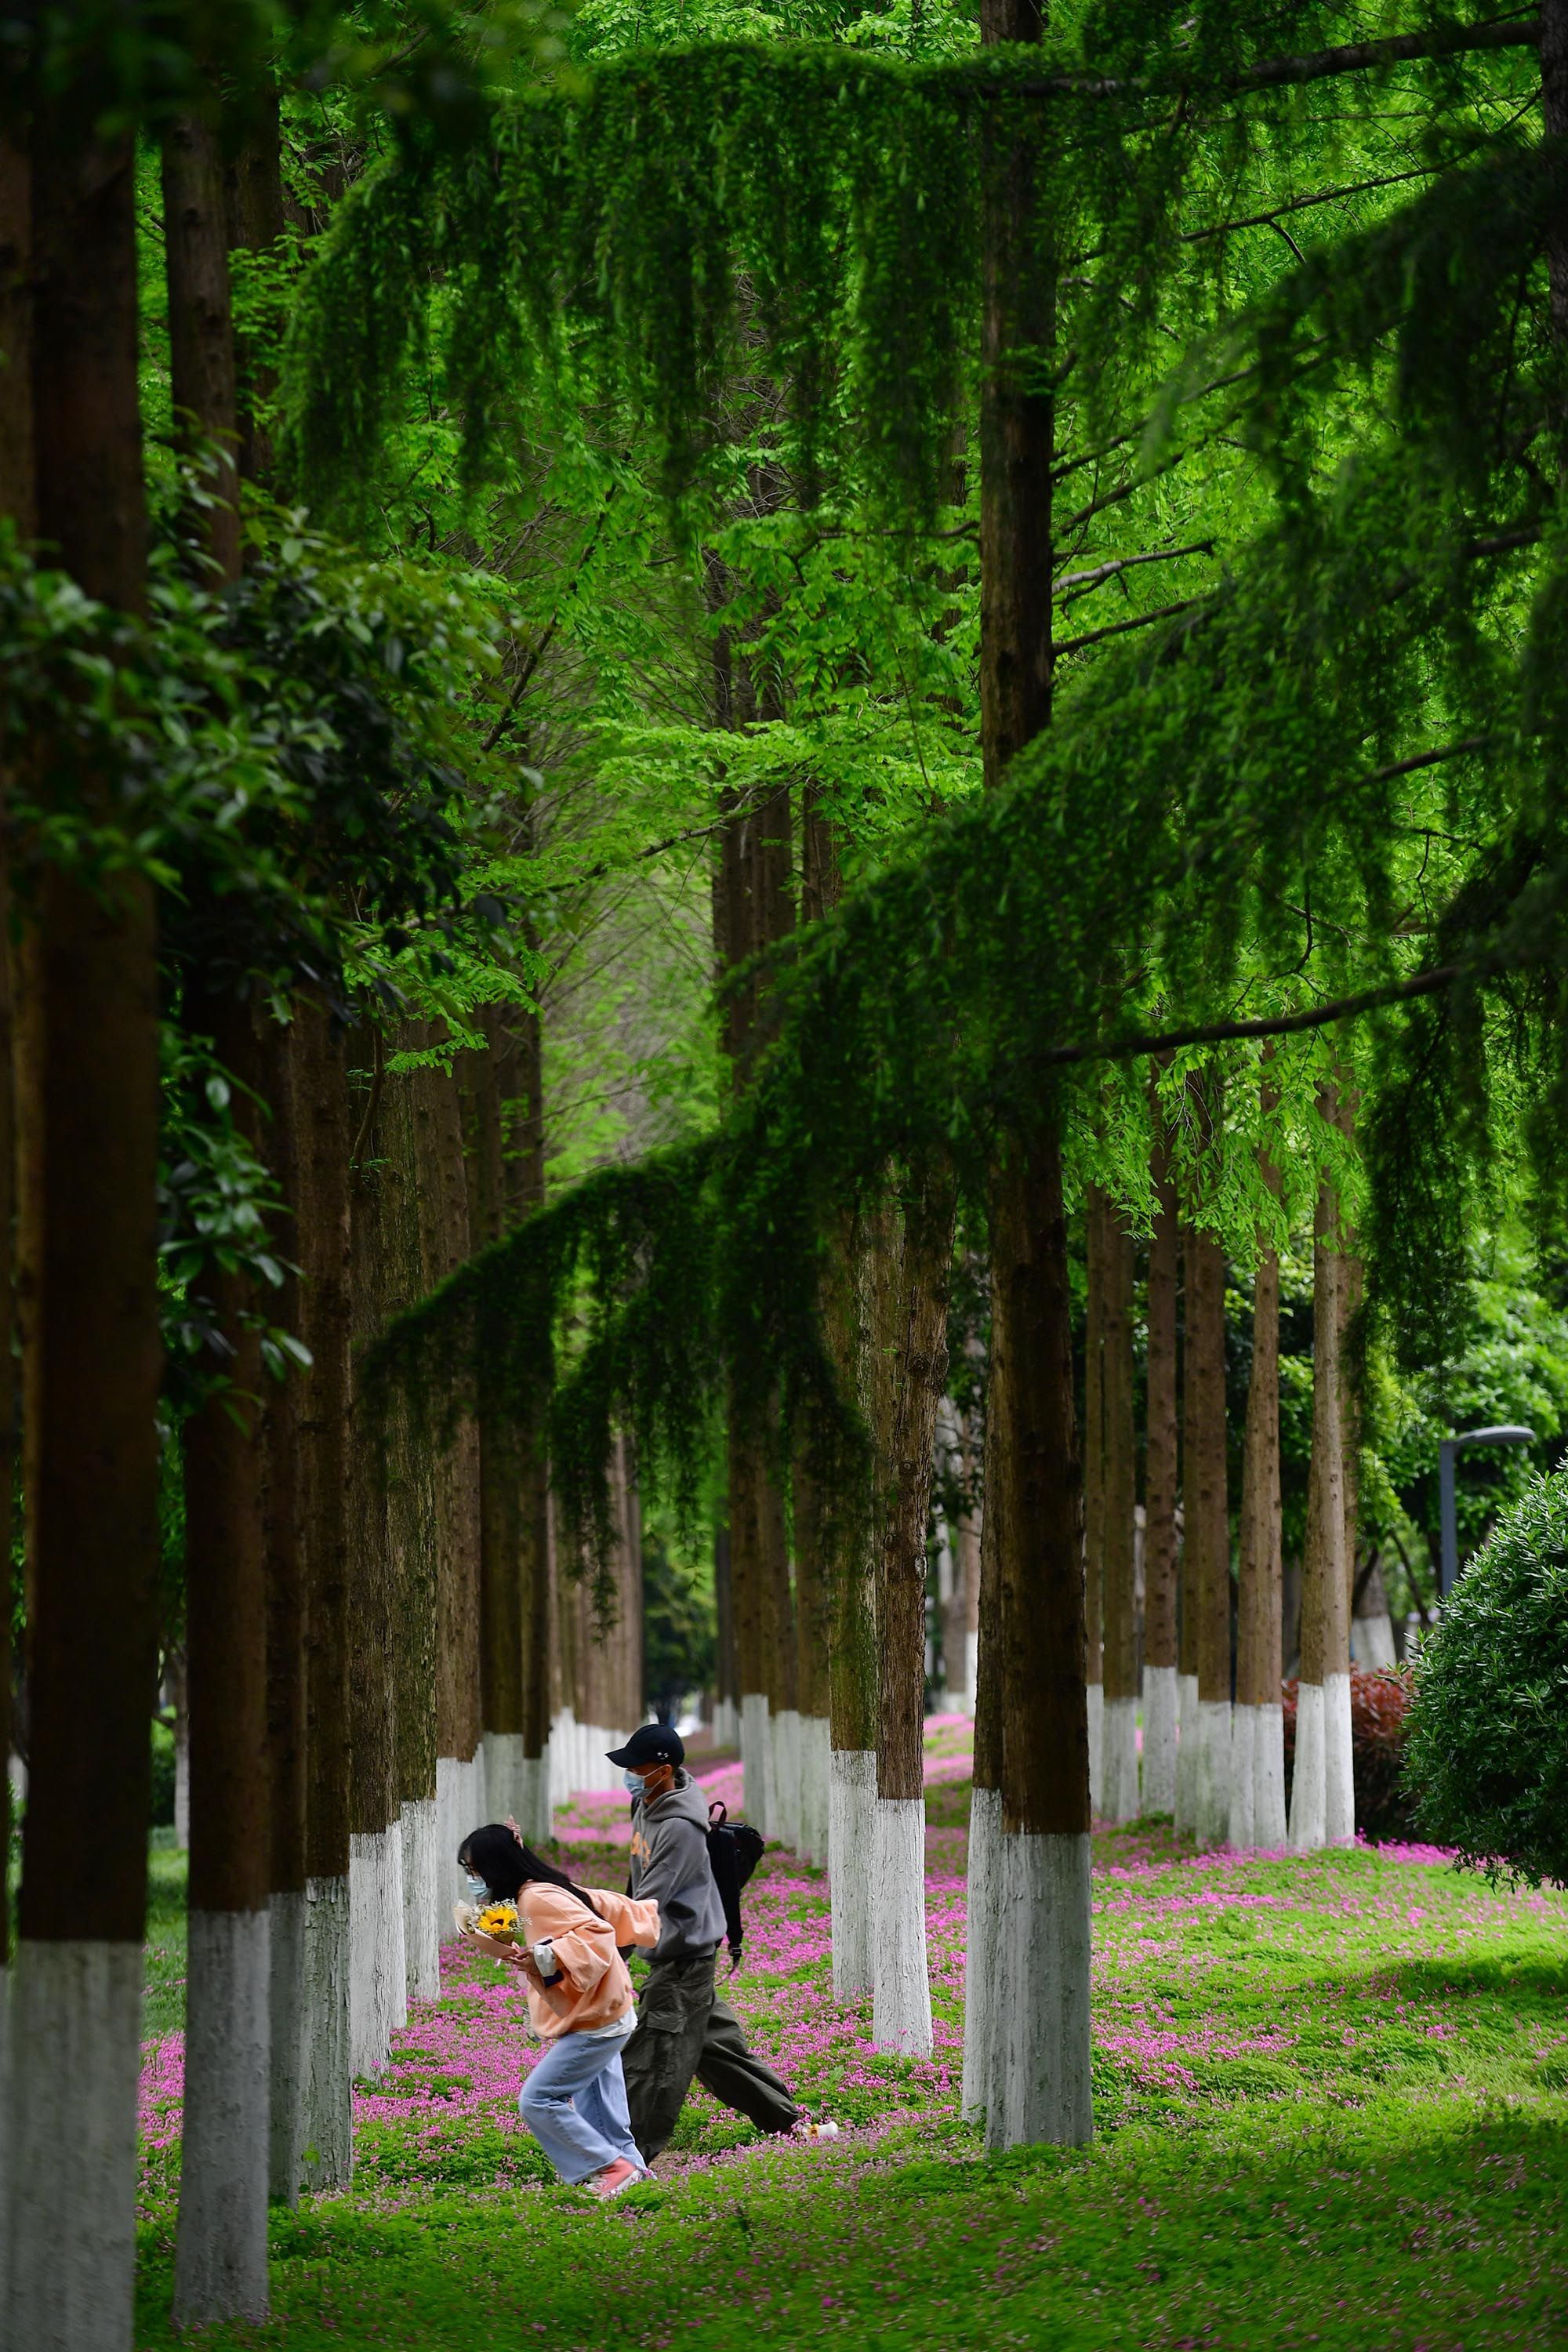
(806, 2129)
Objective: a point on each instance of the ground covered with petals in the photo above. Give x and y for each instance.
(1331, 2102)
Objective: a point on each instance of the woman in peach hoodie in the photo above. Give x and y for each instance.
(579, 2002)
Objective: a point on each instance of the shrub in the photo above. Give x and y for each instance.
(1486, 1749)
(1380, 1702)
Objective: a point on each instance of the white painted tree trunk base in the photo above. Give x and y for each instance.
(1243, 1728)
(785, 1777)
(560, 1733)
(756, 1746)
(533, 1818)
(1212, 1802)
(850, 1862)
(1268, 1776)
(900, 1973)
(220, 2240)
(1096, 1750)
(449, 1888)
(970, 1670)
(285, 2045)
(1186, 1815)
(815, 1786)
(1339, 1775)
(1119, 1751)
(378, 1975)
(421, 1900)
(1043, 2032)
(460, 1807)
(726, 1724)
(1160, 1705)
(1372, 1641)
(329, 2114)
(4, 2133)
(1308, 1785)
(980, 1950)
(503, 1774)
(76, 2046)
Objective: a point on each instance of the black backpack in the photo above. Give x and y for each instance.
(735, 1850)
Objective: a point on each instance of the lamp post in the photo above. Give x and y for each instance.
(1449, 1568)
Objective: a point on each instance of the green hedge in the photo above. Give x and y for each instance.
(1485, 1757)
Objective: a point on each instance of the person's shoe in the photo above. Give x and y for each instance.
(804, 2127)
(614, 2179)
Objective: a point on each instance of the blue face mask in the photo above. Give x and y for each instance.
(634, 1782)
(478, 1888)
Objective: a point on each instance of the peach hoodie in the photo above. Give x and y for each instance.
(592, 1987)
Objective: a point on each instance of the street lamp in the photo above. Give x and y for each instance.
(1449, 1570)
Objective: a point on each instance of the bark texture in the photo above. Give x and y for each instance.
(200, 334)
(88, 1301)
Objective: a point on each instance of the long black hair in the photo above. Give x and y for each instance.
(507, 1865)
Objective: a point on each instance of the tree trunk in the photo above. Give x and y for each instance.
(1033, 1481)
(220, 2266)
(501, 1531)
(960, 1624)
(813, 1633)
(1322, 1802)
(1093, 1448)
(1119, 1504)
(984, 2039)
(1042, 1975)
(445, 1243)
(745, 901)
(321, 1113)
(819, 893)
(1257, 1777)
(88, 1112)
(281, 1504)
(201, 335)
(18, 502)
(378, 1996)
(1160, 1694)
(411, 1535)
(524, 1085)
(254, 191)
(852, 1657)
(915, 1344)
(1208, 1532)
(220, 2255)
(726, 1691)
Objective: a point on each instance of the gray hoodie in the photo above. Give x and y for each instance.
(669, 1867)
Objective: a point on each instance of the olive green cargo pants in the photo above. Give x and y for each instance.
(684, 2029)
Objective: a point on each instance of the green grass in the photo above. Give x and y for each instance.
(1331, 2100)
(1403, 2224)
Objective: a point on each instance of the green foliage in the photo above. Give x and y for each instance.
(1487, 1757)
(679, 1624)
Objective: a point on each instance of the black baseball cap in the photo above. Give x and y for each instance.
(650, 1743)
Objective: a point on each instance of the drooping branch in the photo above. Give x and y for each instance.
(1315, 64)
(1273, 1024)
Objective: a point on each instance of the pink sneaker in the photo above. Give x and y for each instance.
(614, 2179)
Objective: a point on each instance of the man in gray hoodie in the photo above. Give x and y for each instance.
(683, 2028)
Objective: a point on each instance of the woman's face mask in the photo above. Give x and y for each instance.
(478, 1888)
(634, 1782)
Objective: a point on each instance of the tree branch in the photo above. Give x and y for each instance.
(1279, 1025)
(1120, 628)
(1084, 581)
(1315, 64)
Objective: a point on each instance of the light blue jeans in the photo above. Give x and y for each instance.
(575, 2103)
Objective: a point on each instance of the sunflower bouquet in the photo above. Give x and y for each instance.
(498, 1921)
